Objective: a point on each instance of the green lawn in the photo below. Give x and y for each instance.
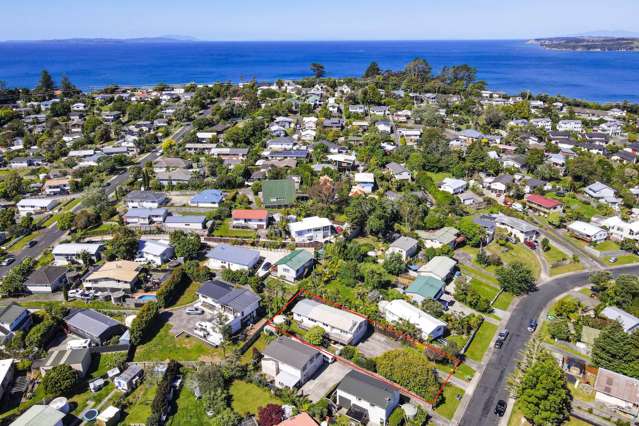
(485, 290)
(165, 346)
(189, 295)
(482, 340)
(86, 399)
(450, 404)
(45, 259)
(503, 301)
(190, 411)
(623, 260)
(439, 176)
(23, 242)
(564, 269)
(248, 398)
(607, 246)
(480, 275)
(555, 255)
(517, 253)
(259, 344)
(140, 403)
(225, 230)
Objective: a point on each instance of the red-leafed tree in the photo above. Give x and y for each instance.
(270, 415)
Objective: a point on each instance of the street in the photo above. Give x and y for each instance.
(492, 385)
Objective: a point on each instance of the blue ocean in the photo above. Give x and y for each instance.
(511, 66)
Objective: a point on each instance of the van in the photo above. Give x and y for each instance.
(78, 344)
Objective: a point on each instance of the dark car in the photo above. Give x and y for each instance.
(500, 408)
(499, 343)
(504, 334)
(32, 243)
(7, 261)
(532, 325)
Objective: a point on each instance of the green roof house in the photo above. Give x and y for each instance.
(278, 193)
(295, 265)
(425, 287)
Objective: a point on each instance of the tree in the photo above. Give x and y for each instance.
(318, 70)
(124, 244)
(68, 88)
(394, 264)
(60, 380)
(474, 233)
(186, 244)
(373, 70)
(560, 329)
(13, 282)
(84, 219)
(226, 417)
(315, 335)
(545, 244)
(544, 397)
(46, 84)
(143, 322)
(516, 278)
(433, 307)
(65, 221)
(617, 350)
(418, 70)
(270, 415)
(410, 369)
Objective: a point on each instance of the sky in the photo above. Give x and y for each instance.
(317, 20)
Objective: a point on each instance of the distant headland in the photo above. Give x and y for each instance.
(589, 44)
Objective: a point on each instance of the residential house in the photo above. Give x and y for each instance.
(366, 399)
(543, 205)
(40, 415)
(453, 186)
(425, 287)
(145, 200)
(185, 223)
(120, 275)
(447, 236)
(311, 229)
(6, 375)
(364, 183)
(13, 318)
(235, 258)
(341, 326)
(165, 164)
(400, 310)
(253, 219)
(46, 279)
(587, 232)
(278, 193)
(399, 172)
(78, 359)
(517, 228)
(302, 419)
(599, 191)
(174, 177)
(68, 253)
(501, 184)
(156, 252)
(285, 143)
(628, 321)
(57, 186)
(290, 363)
(295, 265)
(384, 126)
(207, 198)
(129, 379)
(143, 216)
(440, 267)
(93, 325)
(620, 230)
(407, 247)
(615, 389)
(35, 206)
(237, 305)
(570, 126)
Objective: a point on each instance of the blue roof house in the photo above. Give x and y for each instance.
(207, 198)
(235, 258)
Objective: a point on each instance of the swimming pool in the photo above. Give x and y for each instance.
(147, 298)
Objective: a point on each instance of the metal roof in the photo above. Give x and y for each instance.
(236, 255)
(237, 298)
(290, 352)
(91, 322)
(296, 259)
(367, 388)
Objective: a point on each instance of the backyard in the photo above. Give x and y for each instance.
(164, 346)
(225, 230)
(248, 398)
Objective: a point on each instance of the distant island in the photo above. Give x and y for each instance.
(590, 44)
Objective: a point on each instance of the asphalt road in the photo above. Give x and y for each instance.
(50, 235)
(492, 385)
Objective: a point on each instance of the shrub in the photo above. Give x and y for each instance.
(40, 334)
(60, 380)
(397, 417)
(143, 322)
(410, 369)
(270, 415)
(171, 290)
(315, 335)
(161, 401)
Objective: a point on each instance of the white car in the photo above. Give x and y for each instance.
(264, 270)
(200, 333)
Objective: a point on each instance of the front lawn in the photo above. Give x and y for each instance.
(607, 246)
(503, 301)
(481, 342)
(249, 398)
(517, 253)
(225, 230)
(452, 396)
(485, 290)
(623, 260)
(554, 255)
(564, 269)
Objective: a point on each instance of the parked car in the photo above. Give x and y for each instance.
(531, 244)
(200, 333)
(264, 270)
(7, 261)
(532, 325)
(499, 343)
(504, 334)
(613, 259)
(500, 408)
(32, 243)
(192, 310)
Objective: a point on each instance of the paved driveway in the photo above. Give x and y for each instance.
(316, 388)
(377, 344)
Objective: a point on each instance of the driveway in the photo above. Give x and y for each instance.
(183, 323)
(327, 378)
(377, 344)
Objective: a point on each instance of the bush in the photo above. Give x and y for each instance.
(397, 417)
(41, 334)
(410, 369)
(560, 329)
(471, 297)
(171, 290)
(315, 335)
(270, 415)
(60, 380)
(143, 322)
(161, 401)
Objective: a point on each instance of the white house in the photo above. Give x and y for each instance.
(569, 126)
(64, 254)
(453, 186)
(156, 252)
(628, 321)
(367, 398)
(587, 232)
(599, 191)
(440, 267)
(142, 216)
(341, 326)
(311, 229)
(235, 258)
(36, 206)
(542, 123)
(228, 305)
(185, 223)
(619, 230)
(406, 246)
(290, 363)
(616, 389)
(400, 310)
(517, 228)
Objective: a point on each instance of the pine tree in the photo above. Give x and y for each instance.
(46, 84)
(372, 70)
(617, 350)
(544, 397)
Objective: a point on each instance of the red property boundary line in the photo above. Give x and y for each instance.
(399, 335)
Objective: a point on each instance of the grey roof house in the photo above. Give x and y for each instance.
(232, 257)
(47, 279)
(93, 325)
(367, 399)
(290, 363)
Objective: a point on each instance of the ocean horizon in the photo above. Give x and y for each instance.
(513, 66)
